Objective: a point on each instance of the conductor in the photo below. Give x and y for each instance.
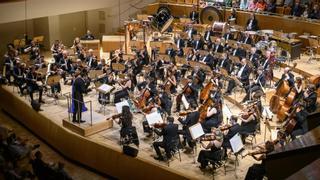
(78, 88)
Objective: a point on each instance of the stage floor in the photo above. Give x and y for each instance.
(57, 110)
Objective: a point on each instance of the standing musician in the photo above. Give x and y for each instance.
(191, 119)
(170, 139)
(194, 15)
(310, 97)
(258, 171)
(258, 84)
(242, 75)
(214, 139)
(144, 56)
(78, 89)
(32, 78)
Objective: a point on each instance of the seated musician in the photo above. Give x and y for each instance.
(63, 64)
(33, 49)
(165, 101)
(194, 15)
(246, 39)
(53, 70)
(39, 62)
(56, 50)
(252, 23)
(208, 60)
(207, 37)
(239, 52)
(101, 65)
(125, 121)
(170, 139)
(217, 46)
(301, 126)
(9, 61)
(32, 85)
(180, 45)
(255, 56)
(214, 113)
(144, 56)
(225, 63)
(171, 52)
(310, 97)
(191, 119)
(198, 77)
(228, 35)
(18, 74)
(191, 95)
(214, 139)
(258, 171)
(249, 121)
(190, 32)
(242, 75)
(126, 85)
(286, 76)
(198, 43)
(88, 36)
(233, 16)
(258, 84)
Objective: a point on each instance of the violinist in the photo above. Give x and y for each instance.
(126, 85)
(214, 139)
(34, 50)
(56, 50)
(258, 84)
(249, 121)
(170, 139)
(165, 101)
(191, 119)
(77, 46)
(310, 97)
(32, 85)
(53, 70)
(258, 171)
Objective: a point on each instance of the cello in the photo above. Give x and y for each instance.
(204, 108)
(205, 92)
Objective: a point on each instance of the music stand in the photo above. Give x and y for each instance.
(53, 80)
(119, 105)
(154, 118)
(118, 67)
(237, 147)
(196, 131)
(234, 59)
(94, 74)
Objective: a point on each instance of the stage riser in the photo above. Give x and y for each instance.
(104, 158)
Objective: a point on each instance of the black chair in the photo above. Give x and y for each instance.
(129, 136)
(221, 162)
(174, 148)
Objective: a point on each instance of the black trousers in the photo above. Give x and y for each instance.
(34, 88)
(161, 144)
(77, 113)
(206, 155)
(256, 172)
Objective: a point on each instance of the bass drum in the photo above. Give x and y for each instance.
(162, 20)
(209, 15)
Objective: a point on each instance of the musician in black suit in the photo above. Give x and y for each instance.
(18, 76)
(208, 60)
(242, 75)
(310, 97)
(198, 44)
(217, 46)
(252, 23)
(199, 76)
(9, 64)
(225, 63)
(180, 45)
(258, 84)
(286, 76)
(190, 97)
(171, 52)
(255, 56)
(170, 139)
(88, 36)
(301, 126)
(207, 37)
(190, 120)
(190, 32)
(194, 15)
(78, 89)
(239, 52)
(246, 39)
(32, 85)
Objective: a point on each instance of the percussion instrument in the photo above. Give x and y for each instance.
(209, 15)
(220, 27)
(162, 20)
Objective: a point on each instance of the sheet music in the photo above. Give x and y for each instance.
(226, 111)
(274, 133)
(196, 131)
(267, 113)
(185, 102)
(105, 88)
(236, 143)
(120, 105)
(154, 118)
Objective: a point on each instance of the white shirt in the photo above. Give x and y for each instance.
(241, 70)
